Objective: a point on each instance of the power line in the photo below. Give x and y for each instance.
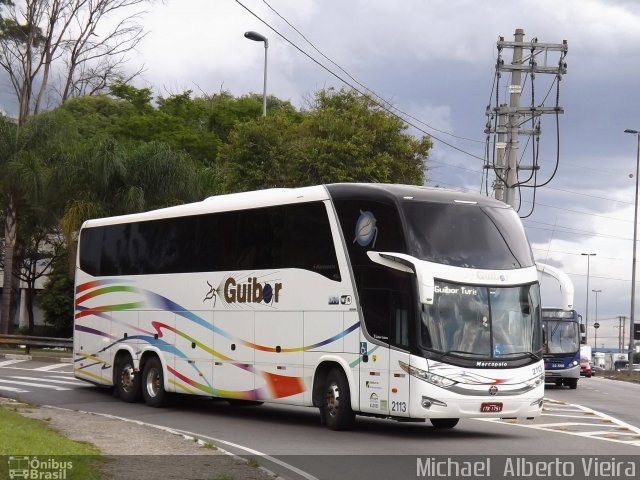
(579, 254)
(362, 85)
(574, 231)
(373, 100)
(580, 212)
(588, 195)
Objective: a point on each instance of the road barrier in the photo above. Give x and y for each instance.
(30, 341)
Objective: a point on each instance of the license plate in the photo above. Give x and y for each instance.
(491, 407)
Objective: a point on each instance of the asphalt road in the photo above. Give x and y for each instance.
(600, 417)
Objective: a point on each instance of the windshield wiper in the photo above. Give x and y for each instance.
(460, 352)
(522, 354)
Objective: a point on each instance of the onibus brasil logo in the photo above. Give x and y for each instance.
(38, 468)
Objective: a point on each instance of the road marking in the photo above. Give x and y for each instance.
(46, 368)
(251, 451)
(10, 362)
(31, 384)
(12, 389)
(192, 435)
(594, 424)
(51, 380)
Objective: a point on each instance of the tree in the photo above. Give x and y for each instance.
(351, 139)
(36, 146)
(8, 131)
(342, 137)
(38, 37)
(35, 37)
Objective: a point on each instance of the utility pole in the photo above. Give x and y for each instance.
(622, 321)
(622, 329)
(506, 165)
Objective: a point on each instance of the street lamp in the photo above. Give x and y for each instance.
(256, 37)
(635, 243)
(586, 324)
(595, 339)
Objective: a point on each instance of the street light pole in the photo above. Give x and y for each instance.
(256, 37)
(595, 337)
(586, 324)
(635, 243)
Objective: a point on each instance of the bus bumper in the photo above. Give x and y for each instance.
(436, 402)
(572, 372)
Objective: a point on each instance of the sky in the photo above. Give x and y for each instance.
(435, 60)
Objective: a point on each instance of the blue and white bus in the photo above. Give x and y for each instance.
(561, 343)
(392, 301)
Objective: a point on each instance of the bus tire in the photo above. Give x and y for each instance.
(127, 380)
(444, 422)
(153, 383)
(572, 383)
(335, 409)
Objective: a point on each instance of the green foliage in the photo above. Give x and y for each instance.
(260, 154)
(140, 98)
(227, 111)
(343, 137)
(97, 115)
(56, 299)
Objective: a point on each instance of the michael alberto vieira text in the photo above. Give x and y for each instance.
(523, 467)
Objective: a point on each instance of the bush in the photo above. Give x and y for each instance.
(56, 300)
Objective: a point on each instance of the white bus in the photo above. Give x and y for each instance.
(392, 301)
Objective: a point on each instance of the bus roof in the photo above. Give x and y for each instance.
(283, 196)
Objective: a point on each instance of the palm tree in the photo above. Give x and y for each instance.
(27, 153)
(8, 130)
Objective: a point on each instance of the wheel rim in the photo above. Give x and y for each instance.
(332, 399)
(153, 382)
(127, 377)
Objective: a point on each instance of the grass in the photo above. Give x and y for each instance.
(624, 376)
(26, 437)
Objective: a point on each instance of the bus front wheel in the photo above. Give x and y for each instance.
(153, 383)
(444, 422)
(336, 403)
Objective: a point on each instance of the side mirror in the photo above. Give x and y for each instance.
(566, 285)
(405, 263)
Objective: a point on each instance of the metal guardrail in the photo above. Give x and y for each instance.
(30, 341)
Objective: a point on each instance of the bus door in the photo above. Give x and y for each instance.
(374, 355)
(399, 393)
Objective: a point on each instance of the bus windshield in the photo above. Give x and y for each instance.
(560, 336)
(475, 321)
(467, 236)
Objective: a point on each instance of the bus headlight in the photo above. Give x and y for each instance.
(432, 378)
(574, 363)
(535, 381)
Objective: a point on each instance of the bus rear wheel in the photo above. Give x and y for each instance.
(127, 380)
(153, 383)
(444, 422)
(336, 403)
